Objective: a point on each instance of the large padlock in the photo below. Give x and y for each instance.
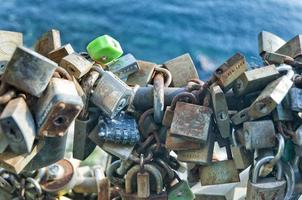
(292, 48)
(191, 121)
(8, 42)
(230, 70)
(180, 191)
(57, 54)
(49, 41)
(271, 96)
(220, 109)
(16, 163)
(266, 188)
(18, 126)
(218, 173)
(259, 134)
(110, 94)
(143, 76)
(29, 71)
(269, 42)
(124, 66)
(182, 69)
(104, 49)
(57, 108)
(76, 65)
(201, 156)
(255, 79)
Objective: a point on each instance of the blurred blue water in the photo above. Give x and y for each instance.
(210, 30)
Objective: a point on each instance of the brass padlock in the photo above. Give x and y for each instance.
(219, 173)
(259, 134)
(229, 71)
(110, 94)
(266, 188)
(49, 41)
(124, 66)
(269, 42)
(143, 76)
(191, 121)
(57, 108)
(292, 48)
(220, 109)
(8, 42)
(182, 69)
(56, 55)
(76, 65)
(255, 79)
(270, 97)
(18, 125)
(28, 71)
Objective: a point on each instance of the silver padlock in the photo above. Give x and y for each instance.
(57, 108)
(57, 54)
(259, 134)
(29, 71)
(18, 125)
(292, 48)
(269, 42)
(110, 94)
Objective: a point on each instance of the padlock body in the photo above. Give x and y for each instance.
(57, 54)
(110, 94)
(57, 108)
(181, 191)
(143, 184)
(143, 76)
(8, 42)
(49, 41)
(124, 66)
(268, 42)
(295, 96)
(29, 71)
(18, 126)
(292, 48)
(191, 121)
(178, 144)
(266, 190)
(242, 157)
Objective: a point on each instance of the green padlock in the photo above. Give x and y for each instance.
(104, 49)
(180, 191)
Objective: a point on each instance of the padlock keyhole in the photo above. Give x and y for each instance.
(60, 120)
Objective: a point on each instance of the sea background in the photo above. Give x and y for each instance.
(210, 30)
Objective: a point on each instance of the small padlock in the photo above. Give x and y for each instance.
(180, 191)
(220, 109)
(182, 69)
(191, 121)
(295, 95)
(255, 79)
(270, 97)
(292, 48)
(57, 108)
(124, 66)
(110, 94)
(219, 173)
(229, 71)
(29, 71)
(104, 49)
(266, 188)
(143, 76)
(259, 134)
(18, 126)
(269, 42)
(57, 54)
(178, 144)
(76, 65)
(8, 42)
(49, 41)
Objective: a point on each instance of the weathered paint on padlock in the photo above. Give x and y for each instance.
(220, 109)
(29, 71)
(219, 173)
(15, 163)
(191, 121)
(182, 69)
(104, 49)
(230, 70)
(181, 191)
(269, 42)
(57, 108)
(124, 66)
(270, 97)
(76, 65)
(18, 126)
(178, 144)
(57, 54)
(8, 42)
(111, 94)
(255, 79)
(292, 48)
(143, 76)
(259, 134)
(48, 42)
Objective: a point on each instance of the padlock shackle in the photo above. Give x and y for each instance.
(159, 97)
(149, 168)
(168, 169)
(289, 70)
(281, 146)
(182, 95)
(260, 163)
(110, 173)
(165, 73)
